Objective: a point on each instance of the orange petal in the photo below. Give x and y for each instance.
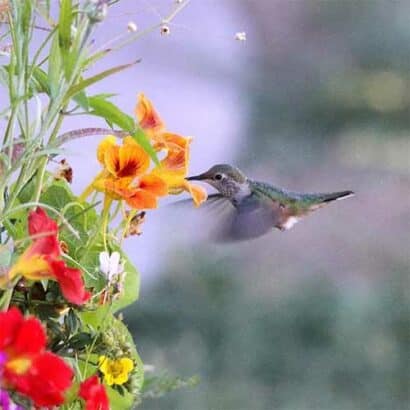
(154, 184)
(133, 160)
(114, 188)
(176, 141)
(177, 157)
(107, 142)
(199, 195)
(148, 118)
(142, 199)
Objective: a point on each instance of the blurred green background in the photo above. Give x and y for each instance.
(319, 317)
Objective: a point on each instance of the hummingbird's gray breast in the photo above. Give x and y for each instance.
(235, 191)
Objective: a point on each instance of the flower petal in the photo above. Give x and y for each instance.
(148, 119)
(94, 394)
(142, 199)
(10, 322)
(30, 338)
(177, 158)
(33, 267)
(154, 184)
(133, 160)
(199, 194)
(104, 262)
(46, 381)
(70, 281)
(39, 222)
(112, 159)
(106, 143)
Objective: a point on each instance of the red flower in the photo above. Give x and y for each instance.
(41, 260)
(26, 366)
(94, 394)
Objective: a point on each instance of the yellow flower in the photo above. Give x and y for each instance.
(115, 371)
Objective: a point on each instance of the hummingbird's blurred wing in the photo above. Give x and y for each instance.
(220, 221)
(250, 219)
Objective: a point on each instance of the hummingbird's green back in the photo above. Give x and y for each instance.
(295, 201)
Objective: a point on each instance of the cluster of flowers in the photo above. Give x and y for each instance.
(26, 366)
(126, 173)
(29, 370)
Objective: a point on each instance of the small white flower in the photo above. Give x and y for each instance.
(110, 266)
(132, 27)
(240, 36)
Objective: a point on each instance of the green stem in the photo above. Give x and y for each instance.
(43, 162)
(6, 299)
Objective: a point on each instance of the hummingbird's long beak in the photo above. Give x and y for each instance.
(199, 177)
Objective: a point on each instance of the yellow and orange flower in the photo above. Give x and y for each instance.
(173, 169)
(124, 174)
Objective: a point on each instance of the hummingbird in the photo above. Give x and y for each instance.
(258, 207)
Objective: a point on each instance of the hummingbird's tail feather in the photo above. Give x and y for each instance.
(336, 196)
(316, 201)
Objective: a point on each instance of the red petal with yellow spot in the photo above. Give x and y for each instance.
(28, 369)
(46, 381)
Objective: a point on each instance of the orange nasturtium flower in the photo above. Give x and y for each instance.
(173, 168)
(124, 175)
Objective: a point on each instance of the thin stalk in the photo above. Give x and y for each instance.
(43, 161)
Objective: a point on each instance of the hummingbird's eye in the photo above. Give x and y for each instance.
(218, 177)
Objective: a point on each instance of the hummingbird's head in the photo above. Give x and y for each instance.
(228, 180)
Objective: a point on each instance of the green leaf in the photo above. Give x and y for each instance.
(54, 67)
(4, 75)
(145, 143)
(84, 221)
(16, 224)
(26, 17)
(131, 284)
(111, 113)
(96, 318)
(5, 257)
(64, 26)
(39, 82)
(92, 80)
(82, 100)
(80, 340)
